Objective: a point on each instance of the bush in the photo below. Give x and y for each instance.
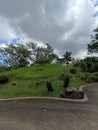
(84, 76)
(49, 86)
(73, 71)
(62, 76)
(87, 77)
(66, 81)
(3, 68)
(76, 63)
(94, 77)
(3, 79)
(88, 64)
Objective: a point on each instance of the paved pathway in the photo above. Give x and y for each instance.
(47, 114)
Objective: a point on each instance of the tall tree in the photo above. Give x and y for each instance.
(32, 47)
(15, 55)
(67, 57)
(93, 45)
(20, 55)
(45, 54)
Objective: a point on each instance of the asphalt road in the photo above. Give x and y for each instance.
(48, 114)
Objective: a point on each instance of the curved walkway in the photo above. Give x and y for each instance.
(51, 114)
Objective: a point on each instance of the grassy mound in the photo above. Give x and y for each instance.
(31, 81)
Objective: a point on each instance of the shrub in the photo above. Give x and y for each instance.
(84, 76)
(73, 71)
(94, 77)
(88, 64)
(49, 86)
(3, 68)
(13, 84)
(76, 63)
(62, 76)
(3, 79)
(66, 81)
(89, 77)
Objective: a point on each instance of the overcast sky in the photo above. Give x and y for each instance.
(64, 24)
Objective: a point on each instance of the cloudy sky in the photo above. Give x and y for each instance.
(64, 24)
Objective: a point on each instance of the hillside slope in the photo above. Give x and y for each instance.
(31, 81)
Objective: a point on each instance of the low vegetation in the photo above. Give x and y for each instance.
(31, 81)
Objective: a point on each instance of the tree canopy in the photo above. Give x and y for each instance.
(22, 55)
(93, 45)
(67, 57)
(15, 56)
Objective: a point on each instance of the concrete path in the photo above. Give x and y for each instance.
(50, 114)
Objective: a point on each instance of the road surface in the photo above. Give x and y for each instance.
(49, 114)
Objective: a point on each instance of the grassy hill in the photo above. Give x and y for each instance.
(30, 81)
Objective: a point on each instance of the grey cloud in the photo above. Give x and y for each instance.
(48, 21)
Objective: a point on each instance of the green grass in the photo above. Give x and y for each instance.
(23, 81)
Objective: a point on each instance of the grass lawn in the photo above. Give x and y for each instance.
(30, 81)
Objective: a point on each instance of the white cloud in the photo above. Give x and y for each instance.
(81, 54)
(3, 45)
(66, 25)
(6, 31)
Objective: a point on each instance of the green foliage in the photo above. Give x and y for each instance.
(3, 68)
(84, 76)
(67, 57)
(73, 71)
(89, 64)
(88, 77)
(76, 63)
(45, 55)
(93, 45)
(31, 81)
(15, 55)
(49, 86)
(3, 79)
(66, 80)
(94, 77)
(20, 56)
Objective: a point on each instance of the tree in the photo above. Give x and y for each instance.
(89, 64)
(67, 57)
(93, 45)
(32, 47)
(20, 55)
(15, 55)
(45, 55)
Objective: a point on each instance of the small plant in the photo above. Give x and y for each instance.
(3, 79)
(49, 86)
(62, 76)
(39, 83)
(14, 84)
(73, 71)
(66, 81)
